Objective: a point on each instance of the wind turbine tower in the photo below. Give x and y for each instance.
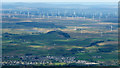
(75, 28)
(28, 14)
(101, 34)
(111, 28)
(93, 17)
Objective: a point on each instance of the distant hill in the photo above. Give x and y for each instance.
(66, 35)
(52, 35)
(31, 25)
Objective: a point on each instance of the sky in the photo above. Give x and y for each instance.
(60, 0)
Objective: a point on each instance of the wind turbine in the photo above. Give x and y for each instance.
(47, 15)
(100, 16)
(101, 33)
(74, 13)
(111, 28)
(20, 12)
(65, 13)
(81, 31)
(75, 28)
(84, 17)
(43, 16)
(39, 14)
(15, 12)
(106, 17)
(93, 17)
(60, 17)
(116, 13)
(109, 15)
(67, 17)
(9, 16)
(56, 16)
(58, 13)
(54, 44)
(28, 14)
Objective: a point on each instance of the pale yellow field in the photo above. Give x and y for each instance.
(106, 43)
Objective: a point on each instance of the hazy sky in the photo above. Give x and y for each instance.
(60, 0)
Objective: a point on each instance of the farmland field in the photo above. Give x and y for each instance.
(59, 36)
